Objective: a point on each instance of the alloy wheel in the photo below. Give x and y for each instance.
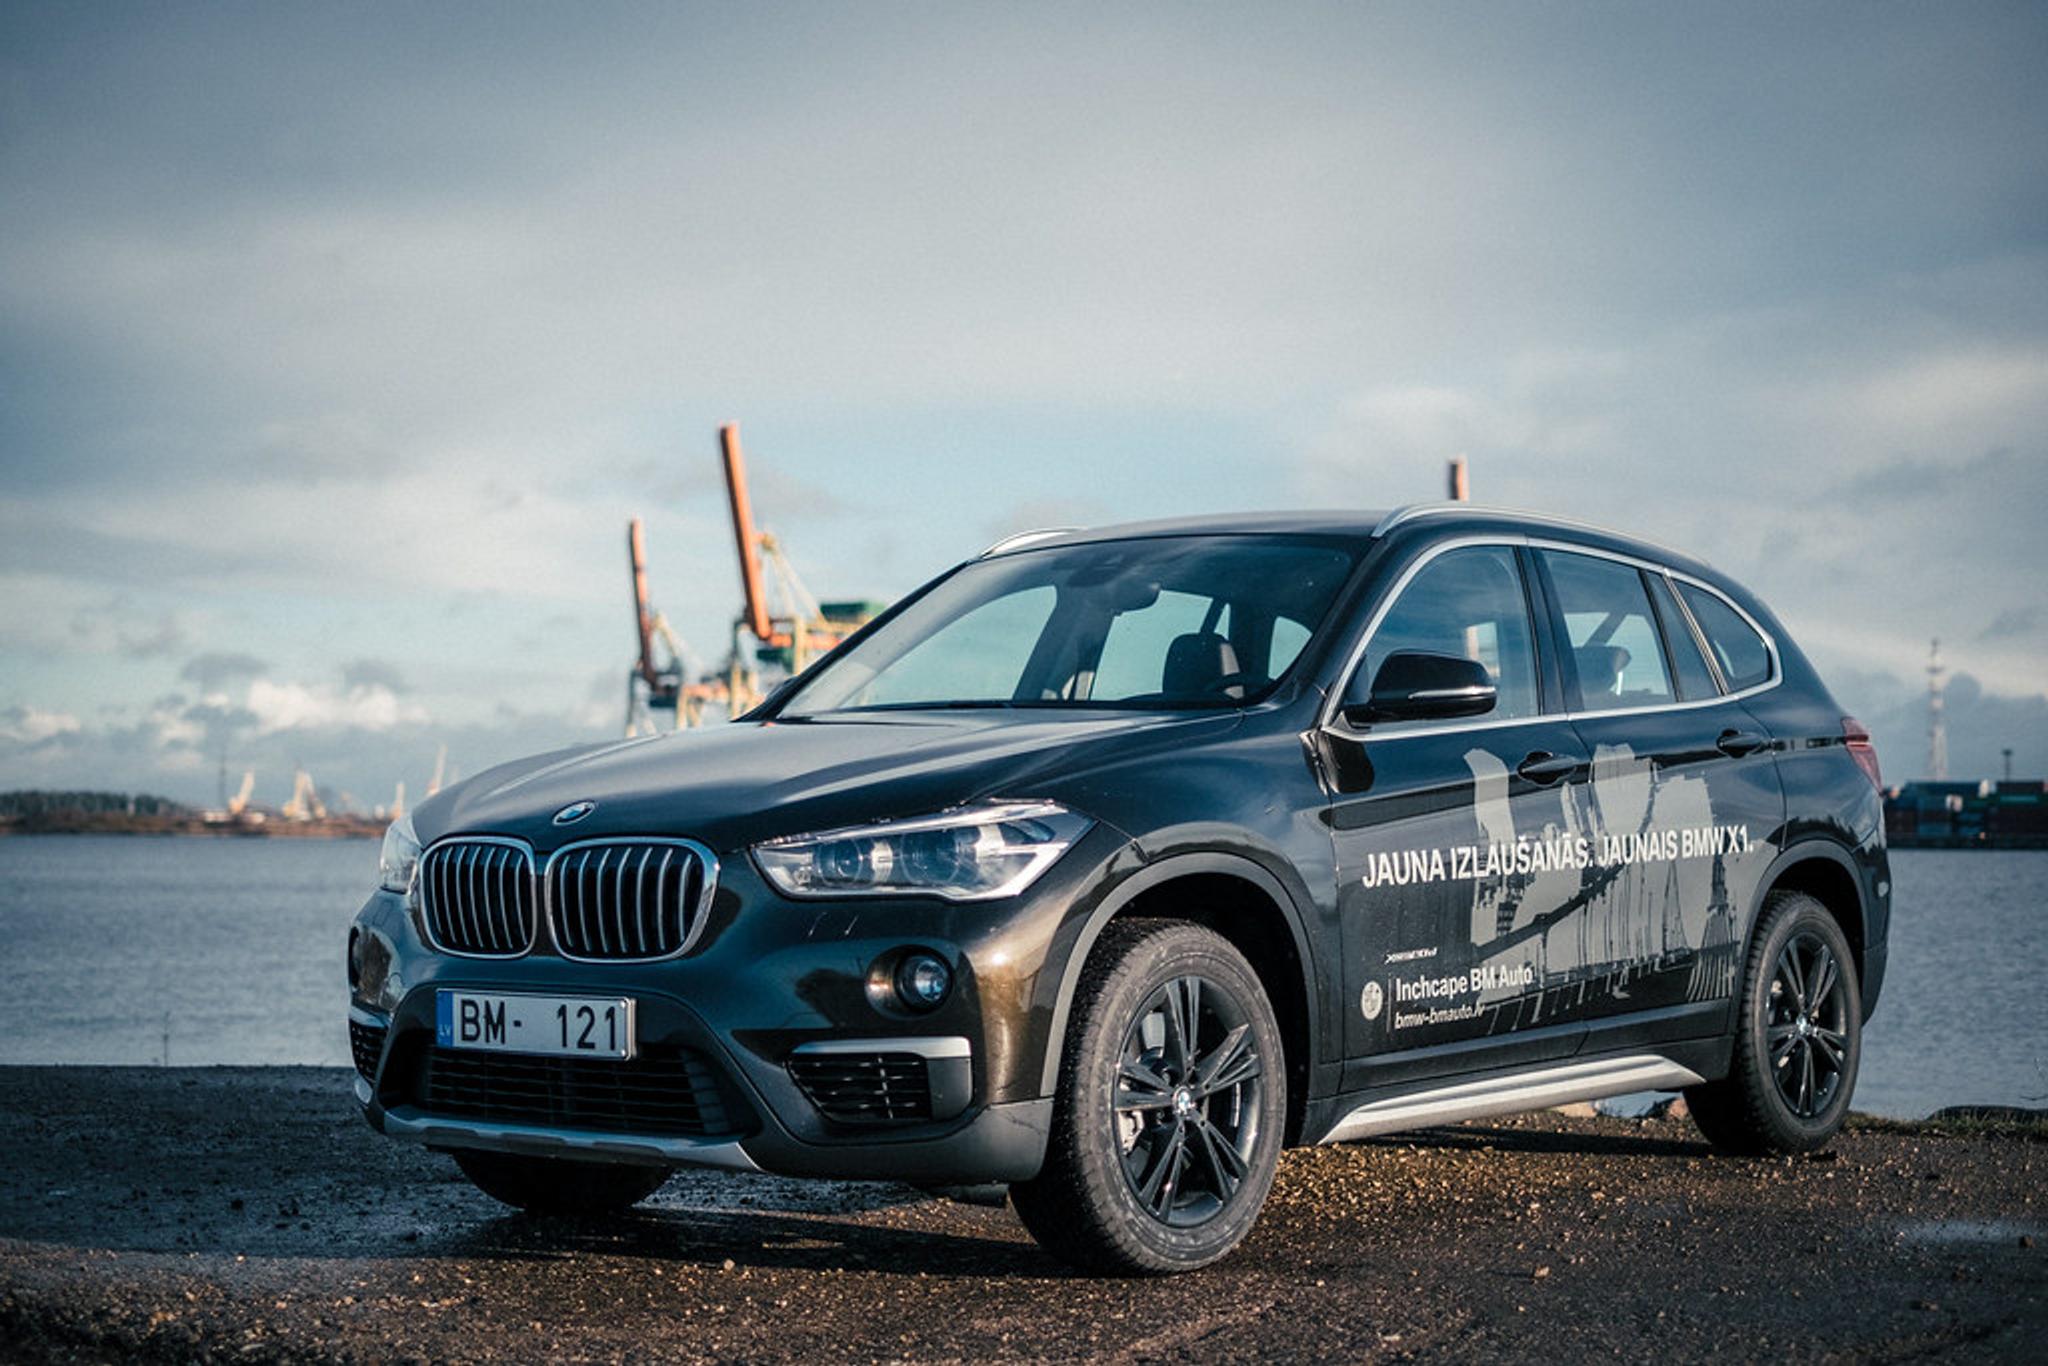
(1186, 1104)
(1807, 1025)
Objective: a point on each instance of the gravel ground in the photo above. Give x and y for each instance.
(248, 1214)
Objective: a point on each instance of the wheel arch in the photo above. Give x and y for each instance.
(1827, 873)
(1251, 909)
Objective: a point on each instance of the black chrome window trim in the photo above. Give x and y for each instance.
(426, 921)
(1330, 720)
(1699, 636)
(693, 928)
(1707, 646)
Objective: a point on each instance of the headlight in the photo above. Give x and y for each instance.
(400, 858)
(976, 853)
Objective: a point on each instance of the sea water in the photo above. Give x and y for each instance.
(138, 949)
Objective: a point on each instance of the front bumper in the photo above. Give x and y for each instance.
(771, 981)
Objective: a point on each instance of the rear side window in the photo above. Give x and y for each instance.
(1616, 651)
(1695, 679)
(1744, 658)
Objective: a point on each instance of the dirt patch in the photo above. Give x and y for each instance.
(218, 1213)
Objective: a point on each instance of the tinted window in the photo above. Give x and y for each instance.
(1288, 638)
(1138, 642)
(1616, 651)
(1169, 621)
(1469, 603)
(1744, 658)
(982, 655)
(1695, 679)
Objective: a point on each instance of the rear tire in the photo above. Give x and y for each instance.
(1798, 1040)
(554, 1185)
(1171, 1108)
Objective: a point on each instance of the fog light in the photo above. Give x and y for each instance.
(922, 981)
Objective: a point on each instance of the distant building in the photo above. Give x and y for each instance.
(2005, 815)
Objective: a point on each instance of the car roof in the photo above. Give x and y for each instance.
(1433, 520)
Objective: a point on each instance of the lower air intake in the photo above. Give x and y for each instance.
(671, 1093)
(865, 1088)
(366, 1046)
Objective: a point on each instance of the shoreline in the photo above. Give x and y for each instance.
(333, 828)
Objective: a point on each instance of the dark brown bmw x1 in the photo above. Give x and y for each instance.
(1109, 863)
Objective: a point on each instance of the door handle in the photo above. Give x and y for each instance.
(1736, 743)
(1544, 768)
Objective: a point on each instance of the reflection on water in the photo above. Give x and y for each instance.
(236, 947)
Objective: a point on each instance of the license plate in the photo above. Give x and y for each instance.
(554, 1026)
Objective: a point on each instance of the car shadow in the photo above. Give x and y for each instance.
(750, 1239)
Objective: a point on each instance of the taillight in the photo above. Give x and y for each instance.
(1861, 750)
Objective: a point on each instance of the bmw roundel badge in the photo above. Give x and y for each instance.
(574, 812)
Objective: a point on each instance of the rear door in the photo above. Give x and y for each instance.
(1682, 801)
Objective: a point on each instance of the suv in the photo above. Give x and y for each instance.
(1110, 863)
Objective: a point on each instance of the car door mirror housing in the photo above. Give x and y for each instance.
(1417, 686)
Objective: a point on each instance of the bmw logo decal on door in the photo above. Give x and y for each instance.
(574, 812)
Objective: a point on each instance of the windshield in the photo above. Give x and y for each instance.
(1171, 621)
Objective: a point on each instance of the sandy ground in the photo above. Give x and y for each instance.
(248, 1214)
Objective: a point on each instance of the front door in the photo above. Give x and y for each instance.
(1457, 845)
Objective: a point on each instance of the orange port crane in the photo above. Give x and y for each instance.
(789, 627)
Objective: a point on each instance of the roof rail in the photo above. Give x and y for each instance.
(1416, 511)
(1408, 512)
(1024, 538)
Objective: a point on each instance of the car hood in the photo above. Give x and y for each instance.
(736, 784)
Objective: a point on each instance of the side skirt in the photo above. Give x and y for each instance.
(1535, 1089)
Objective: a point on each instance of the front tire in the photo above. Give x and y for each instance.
(1171, 1108)
(1799, 1040)
(554, 1185)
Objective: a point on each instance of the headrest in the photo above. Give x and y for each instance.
(1601, 668)
(1197, 663)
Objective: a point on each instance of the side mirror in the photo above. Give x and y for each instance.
(1414, 686)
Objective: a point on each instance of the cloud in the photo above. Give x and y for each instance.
(1908, 478)
(2014, 621)
(374, 365)
(300, 706)
(148, 640)
(30, 726)
(215, 669)
(325, 446)
(1981, 725)
(372, 673)
(176, 747)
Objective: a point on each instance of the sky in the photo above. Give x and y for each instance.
(338, 343)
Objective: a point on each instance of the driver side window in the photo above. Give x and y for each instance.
(1469, 603)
